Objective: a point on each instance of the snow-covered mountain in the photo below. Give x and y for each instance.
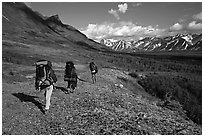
(170, 43)
(117, 44)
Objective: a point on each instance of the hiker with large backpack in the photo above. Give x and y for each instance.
(70, 76)
(45, 79)
(94, 70)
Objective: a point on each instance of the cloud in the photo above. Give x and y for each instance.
(188, 24)
(137, 4)
(176, 27)
(198, 16)
(122, 7)
(115, 13)
(121, 29)
(194, 25)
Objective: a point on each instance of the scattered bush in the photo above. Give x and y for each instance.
(134, 75)
(182, 90)
(11, 73)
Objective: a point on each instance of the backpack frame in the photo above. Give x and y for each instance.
(70, 72)
(93, 68)
(43, 78)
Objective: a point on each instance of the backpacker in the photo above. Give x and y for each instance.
(43, 74)
(70, 72)
(93, 68)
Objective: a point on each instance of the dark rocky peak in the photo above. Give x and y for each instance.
(55, 19)
(41, 15)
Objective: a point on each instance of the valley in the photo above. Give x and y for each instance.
(129, 98)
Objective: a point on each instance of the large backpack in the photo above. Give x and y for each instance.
(93, 68)
(70, 72)
(43, 74)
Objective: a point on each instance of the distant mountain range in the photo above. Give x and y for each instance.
(171, 43)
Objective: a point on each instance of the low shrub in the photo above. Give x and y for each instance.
(182, 90)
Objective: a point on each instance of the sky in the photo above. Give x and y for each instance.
(126, 20)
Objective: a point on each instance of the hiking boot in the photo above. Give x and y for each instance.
(66, 91)
(71, 90)
(46, 111)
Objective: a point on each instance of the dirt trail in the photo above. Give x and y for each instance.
(22, 105)
(101, 108)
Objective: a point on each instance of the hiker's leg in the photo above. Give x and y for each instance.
(95, 78)
(75, 84)
(72, 86)
(48, 96)
(68, 86)
(45, 94)
(92, 75)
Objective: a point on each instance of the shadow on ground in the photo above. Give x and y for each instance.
(27, 98)
(84, 80)
(62, 89)
(65, 90)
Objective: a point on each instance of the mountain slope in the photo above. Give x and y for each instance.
(27, 36)
(23, 24)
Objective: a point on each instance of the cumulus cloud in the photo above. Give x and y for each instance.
(176, 27)
(194, 25)
(188, 24)
(122, 7)
(121, 29)
(115, 13)
(137, 4)
(198, 16)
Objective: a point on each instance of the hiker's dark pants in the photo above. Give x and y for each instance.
(72, 84)
(93, 77)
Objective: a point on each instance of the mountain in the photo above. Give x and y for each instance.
(23, 24)
(170, 43)
(66, 31)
